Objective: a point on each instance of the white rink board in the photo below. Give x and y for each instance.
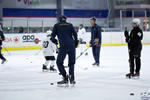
(26, 40)
(118, 37)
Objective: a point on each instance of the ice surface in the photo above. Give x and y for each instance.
(21, 77)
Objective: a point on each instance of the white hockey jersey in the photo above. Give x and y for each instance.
(48, 47)
(81, 33)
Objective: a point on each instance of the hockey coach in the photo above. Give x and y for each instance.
(95, 41)
(68, 41)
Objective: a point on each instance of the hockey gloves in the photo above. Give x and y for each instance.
(54, 41)
(76, 43)
(126, 34)
(96, 42)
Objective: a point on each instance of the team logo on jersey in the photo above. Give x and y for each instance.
(139, 34)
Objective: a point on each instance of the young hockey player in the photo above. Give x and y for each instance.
(2, 38)
(49, 48)
(81, 34)
(135, 46)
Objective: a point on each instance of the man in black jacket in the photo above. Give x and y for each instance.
(2, 38)
(135, 47)
(68, 41)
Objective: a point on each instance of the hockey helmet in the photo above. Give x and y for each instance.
(49, 32)
(136, 21)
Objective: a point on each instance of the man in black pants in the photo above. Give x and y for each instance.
(2, 38)
(95, 41)
(68, 41)
(135, 47)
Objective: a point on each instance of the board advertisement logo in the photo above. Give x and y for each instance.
(26, 3)
(30, 38)
(15, 39)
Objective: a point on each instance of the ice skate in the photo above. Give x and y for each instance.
(44, 68)
(96, 64)
(129, 75)
(72, 80)
(3, 61)
(86, 54)
(52, 69)
(63, 83)
(136, 75)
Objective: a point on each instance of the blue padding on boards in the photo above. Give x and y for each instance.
(18, 12)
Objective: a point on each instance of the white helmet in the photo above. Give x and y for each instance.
(136, 21)
(49, 32)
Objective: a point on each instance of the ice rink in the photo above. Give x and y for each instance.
(21, 78)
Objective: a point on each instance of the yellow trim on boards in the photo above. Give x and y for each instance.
(21, 48)
(121, 44)
(146, 43)
(39, 47)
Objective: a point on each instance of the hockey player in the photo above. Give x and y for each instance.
(95, 40)
(49, 48)
(135, 46)
(2, 38)
(68, 41)
(81, 33)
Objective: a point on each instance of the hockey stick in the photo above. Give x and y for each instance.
(84, 68)
(88, 46)
(78, 58)
(82, 53)
(6, 50)
(126, 34)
